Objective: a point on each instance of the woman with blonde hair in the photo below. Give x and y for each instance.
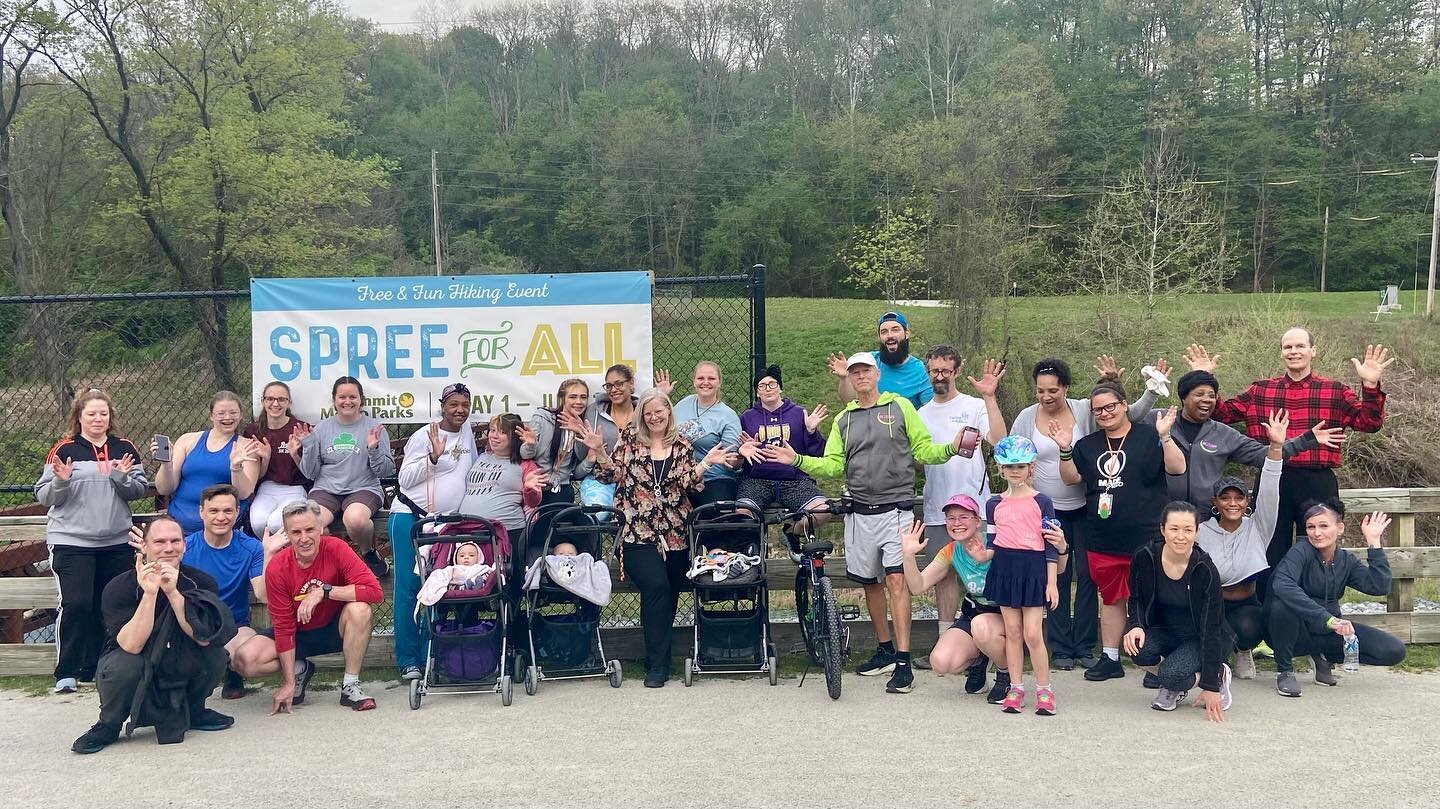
(204, 458)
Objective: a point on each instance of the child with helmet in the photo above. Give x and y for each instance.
(1029, 549)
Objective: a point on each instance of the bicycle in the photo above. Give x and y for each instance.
(827, 640)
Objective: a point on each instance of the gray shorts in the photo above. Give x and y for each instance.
(872, 545)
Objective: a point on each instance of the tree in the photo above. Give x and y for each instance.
(889, 256)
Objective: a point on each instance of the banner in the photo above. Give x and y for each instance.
(510, 338)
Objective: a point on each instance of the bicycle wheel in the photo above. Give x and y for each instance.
(805, 613)
(834, 637)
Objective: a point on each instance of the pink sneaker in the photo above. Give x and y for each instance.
(1014, 700)
(1045, 702)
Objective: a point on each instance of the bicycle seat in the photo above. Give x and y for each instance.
(818, 546)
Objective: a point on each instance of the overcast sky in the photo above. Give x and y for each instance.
(385, 11)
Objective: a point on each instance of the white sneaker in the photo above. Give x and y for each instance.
(65, 685)
(1225, 697)
(1166, 700)
(1245, 664)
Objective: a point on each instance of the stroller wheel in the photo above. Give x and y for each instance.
(774, 666)
(507, 687)
(532, 680)
(617, 675)
(415, 695)
(689, 676)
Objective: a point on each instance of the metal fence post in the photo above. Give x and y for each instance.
(757, 320)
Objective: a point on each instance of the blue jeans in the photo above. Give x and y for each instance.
(409, 640)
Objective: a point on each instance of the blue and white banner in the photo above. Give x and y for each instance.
(510, 338)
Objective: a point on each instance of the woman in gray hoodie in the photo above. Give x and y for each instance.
(552, 447)
(88, 480)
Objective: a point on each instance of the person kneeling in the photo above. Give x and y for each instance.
(1177, 627)
(319, 594)
(166, 630)
(1302, 613)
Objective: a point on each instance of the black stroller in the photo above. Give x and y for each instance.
(468, 627)
(732, 613)
(562, 630)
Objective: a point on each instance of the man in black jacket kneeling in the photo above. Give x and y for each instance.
(166, 630)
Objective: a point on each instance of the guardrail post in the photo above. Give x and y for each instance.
(757, 320)
(1402, 591)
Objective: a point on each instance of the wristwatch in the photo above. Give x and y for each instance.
(325, 590)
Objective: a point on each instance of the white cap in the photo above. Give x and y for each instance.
(862, 358)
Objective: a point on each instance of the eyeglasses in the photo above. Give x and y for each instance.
(615, 385)
(274, 399)
(768, 386)
(962, 517)
(1105, 410)
(941, 372)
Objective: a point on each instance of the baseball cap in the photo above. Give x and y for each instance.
(895, 316)
(862, 358)
(964, 501)
(452, 389)
(1231, 482)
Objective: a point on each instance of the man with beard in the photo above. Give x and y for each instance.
(1310, 400)
(947, 414)
(900, 373)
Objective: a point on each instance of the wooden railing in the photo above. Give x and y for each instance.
(1407, 563)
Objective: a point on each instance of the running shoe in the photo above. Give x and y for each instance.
(1324, 672)
(234, 685)
(97, 738)
(922, 663)
(1062, 663)
(999, 689)
(1014, 700)
(882, 662)
(1245, 664)
(409, 673)
(302, 680)
(1167, 700)
(1105, 668)
(1286, 685)
(66, 685)
(902, 681)
(1045, 702)
(975, 675)
(1151, 681)
(377, 565)
(1263, 649)
(351, 696)
(208, 719)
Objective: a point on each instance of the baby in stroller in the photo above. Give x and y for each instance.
(467, 573)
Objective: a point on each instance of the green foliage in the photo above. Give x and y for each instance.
(889, 256)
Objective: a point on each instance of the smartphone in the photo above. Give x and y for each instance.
(162, 447)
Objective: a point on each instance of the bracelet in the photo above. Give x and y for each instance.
(1066, 454)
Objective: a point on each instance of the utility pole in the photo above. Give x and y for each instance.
(1434, 232)
(435, 208)
(1324, 248)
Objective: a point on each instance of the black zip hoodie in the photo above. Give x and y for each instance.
(1207, 608)
(1312, 589)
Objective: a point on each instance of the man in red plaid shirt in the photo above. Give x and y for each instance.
(1310, 400)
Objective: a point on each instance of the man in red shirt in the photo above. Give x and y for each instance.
(319, 596)
(1310, 400)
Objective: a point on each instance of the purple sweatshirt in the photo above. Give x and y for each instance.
(786, 423)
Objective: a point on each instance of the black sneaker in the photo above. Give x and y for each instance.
(1151, 681)
(999, 689)
(233, 686)
(902, 681)
(654, 681)
(1324, 675)
(975, 675)
(207, 719)
(882, 662)
(1085, 661)
(922, 663)
(302, 680)
(377, 565)
(1105, 669)
(1285, 684)
(1062, 663)
(97, 738)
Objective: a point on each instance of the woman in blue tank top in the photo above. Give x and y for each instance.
(204, 458)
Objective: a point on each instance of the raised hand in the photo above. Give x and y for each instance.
(814, 417)
(274, 543)
(372, 439)
(663, 383)
(1165, 421)
(1163, 366)
(136, 537)
(1373, 526)
(1276, 426)
(1377, 359)
(63, 469)
(717, 455)
(243, 452)
(749, 448)
(837, 365)
(263, 448)
(148, 575)
(1106, 366)
(527, 435)
(169, 577)
(589, 436)
(779, 453)
(1134, 640)
(125, 464)
(300, 433)
(1061, 436)
(1201, 360)
(1331, 437)
(536, 480)
(437, 441)
(989, 380)
(912, 538)
(570, 421)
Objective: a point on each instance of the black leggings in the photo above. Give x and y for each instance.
(82, 574)
(1289, 636)
(1178, 658)
(1247, 621)
(660, 580)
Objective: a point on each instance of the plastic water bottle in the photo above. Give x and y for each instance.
(1352, 652)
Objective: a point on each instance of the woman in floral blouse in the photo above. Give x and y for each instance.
(655, 473)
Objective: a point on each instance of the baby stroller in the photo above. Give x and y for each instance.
(732, 613)
(467, 628)
(562, 629)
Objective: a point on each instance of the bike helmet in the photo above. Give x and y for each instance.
(1015, 449)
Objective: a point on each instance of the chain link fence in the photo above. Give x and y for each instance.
(161, 356)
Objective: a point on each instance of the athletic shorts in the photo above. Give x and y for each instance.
(320, 640)
(336, 504)
(970, 609)
(1111, 574)
(792, 495)
(872, 545)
